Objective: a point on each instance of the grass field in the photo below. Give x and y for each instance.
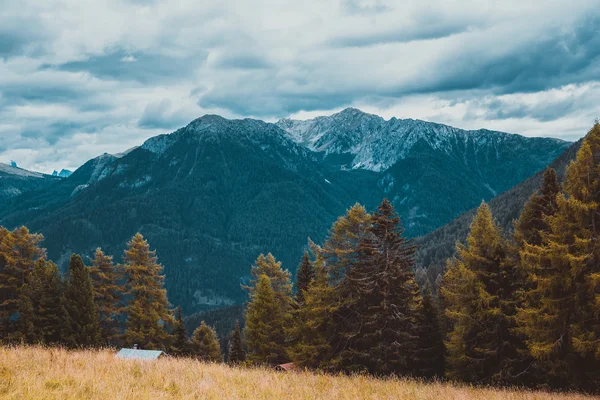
(38, 373)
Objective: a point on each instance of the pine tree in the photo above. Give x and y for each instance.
(477, 291)
(26, 332)
(108, 293)
(340, 249)
(531, 222)
(429, 356)
(205, 344)
(180, 346)
(304, 276)
(82, 324)
(561, 314)
(236, 353)
(382, 315)
(19, 250)
(148, 313)
(46, 294)
(312, 326)
(280, 278)
(265, 325)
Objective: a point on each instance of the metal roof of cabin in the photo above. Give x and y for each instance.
(135, 354)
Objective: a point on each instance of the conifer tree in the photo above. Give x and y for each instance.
(312, 327)
(478, 297)
(382, 315)
(561, 315)
(304, 276)
(265, 325)
(148, 313)
(108, 293)
(46, 294)
(205, 344)
(26, 332)
(236, 353)
(82, 324)
(429, 356)
(19, 250)
(280, 279)
(180, 346)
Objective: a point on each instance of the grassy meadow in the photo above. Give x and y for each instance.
(39, 373)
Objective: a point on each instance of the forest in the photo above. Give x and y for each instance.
(522, 310)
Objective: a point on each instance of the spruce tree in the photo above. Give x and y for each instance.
(478, 296)
(429, 356)
(236, 353)
(19, 250)
(148, 313)
(205, 344)
(304, 276)
(180, 346)
(82, 324)
(26, 332)
(108, 293)
(266, 321)
(382, 314)
(561, 314)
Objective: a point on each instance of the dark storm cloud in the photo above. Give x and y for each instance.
(145, 68)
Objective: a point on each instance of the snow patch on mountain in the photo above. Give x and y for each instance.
(14, 170)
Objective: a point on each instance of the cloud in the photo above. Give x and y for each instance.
(78, 79)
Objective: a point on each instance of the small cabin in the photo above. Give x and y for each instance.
(137, 354)
(288, 367)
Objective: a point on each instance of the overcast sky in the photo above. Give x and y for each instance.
(80, 78)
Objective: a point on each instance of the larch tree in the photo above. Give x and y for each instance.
(148, 313)
(266, 322)
(382, 313)
(19, 250)
(108, 295)
(205, 344)
(280, 279)
(82, 328)
(561, 315)
(304, 276)
(236, 353)
(478, 295)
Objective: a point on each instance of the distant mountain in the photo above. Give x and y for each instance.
(15, 181)
(213, 195)
(64, 173)
(436, 247)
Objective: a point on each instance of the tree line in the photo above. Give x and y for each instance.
(522, 310)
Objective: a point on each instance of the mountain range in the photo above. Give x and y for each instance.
(213, 195)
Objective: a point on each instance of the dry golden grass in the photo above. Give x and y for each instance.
(38, 373)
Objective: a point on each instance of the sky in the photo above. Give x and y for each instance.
(80, 78)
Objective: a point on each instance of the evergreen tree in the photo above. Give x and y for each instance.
(180, 346)
(561, 314)
(236, 353)
(531, 223)
(82, 324)
(205, 344)
(265, 325)
(304, 276)
(382, 315)
(311, 327)
(280, 278)
(478, 295)
(26, 332)
(19, 250)
(108, 293)
(147, 312)
(46, 294)
(429, 357)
